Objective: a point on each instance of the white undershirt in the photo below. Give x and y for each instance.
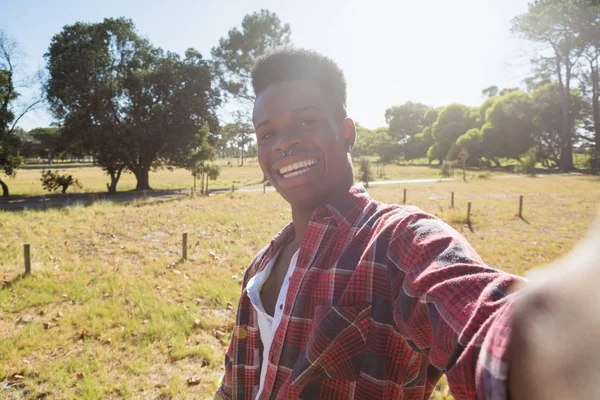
(267, 325)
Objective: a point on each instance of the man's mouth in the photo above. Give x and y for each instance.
(297, 168)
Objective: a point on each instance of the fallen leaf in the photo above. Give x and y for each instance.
(192, 381)
(16, 377)
(49, 325)
(25, 319)
(80, 375)
(229, 306)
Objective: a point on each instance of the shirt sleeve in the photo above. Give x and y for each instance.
(452, 307)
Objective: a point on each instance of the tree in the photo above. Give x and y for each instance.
(200, 154)
(365, 172)
(556, 25)
(52, 181)
(509, 129)
(240, 134)
(417, 146)
(491, 91)
(452, 122)
(11, 111)
(236, 53)
(591, 54)
(406, 121)
(47, 142)
(385, 147)
(129, 104)
(548, 119)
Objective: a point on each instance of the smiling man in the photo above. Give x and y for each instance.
(356, 299)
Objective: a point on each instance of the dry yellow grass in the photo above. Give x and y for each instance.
(126, 321)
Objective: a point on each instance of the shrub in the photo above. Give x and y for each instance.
(365, 171)
(52, 181)
(447, 170)
(528, 162)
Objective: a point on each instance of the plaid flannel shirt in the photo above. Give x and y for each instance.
(384, 300)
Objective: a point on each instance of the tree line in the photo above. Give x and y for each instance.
(557, 110)
(135, 107)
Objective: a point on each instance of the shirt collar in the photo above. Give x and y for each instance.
(345, 208)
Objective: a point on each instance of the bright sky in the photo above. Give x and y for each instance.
(436, 52)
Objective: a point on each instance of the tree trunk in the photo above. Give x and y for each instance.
(596, 106)
(114, 179)
(142, 177)
(4, 189)
(206, 190)
(242, 156)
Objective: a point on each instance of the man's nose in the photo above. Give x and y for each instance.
(286, 141)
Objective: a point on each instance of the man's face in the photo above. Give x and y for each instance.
(295, 116)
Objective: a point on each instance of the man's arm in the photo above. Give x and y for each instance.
(452, 306)
(555, 344)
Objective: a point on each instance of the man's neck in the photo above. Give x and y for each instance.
(301, 217)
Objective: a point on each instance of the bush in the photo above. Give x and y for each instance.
(52, 181)
(365, 171)
(447, 170)
(528, 162)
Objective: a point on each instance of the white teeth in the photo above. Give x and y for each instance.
(297, 168)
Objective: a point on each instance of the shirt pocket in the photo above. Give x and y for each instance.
(336, 344)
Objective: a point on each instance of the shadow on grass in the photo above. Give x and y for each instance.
(8, 283)
(45, 202)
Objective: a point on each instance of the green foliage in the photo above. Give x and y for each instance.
(528, 163)
(471, 142)
(236, 53)
(447, 169)
(452, 122)
(240, 135)
(549, 120)
(365, 171)
(213, 171)
(52, 181)
(126, 102)
(406, 121)
(509, 129)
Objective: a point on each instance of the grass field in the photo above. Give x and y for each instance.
(92, 179)
(109, 313)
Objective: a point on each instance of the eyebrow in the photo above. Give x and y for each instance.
(296, 111)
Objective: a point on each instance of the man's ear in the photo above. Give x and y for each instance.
(349, 131)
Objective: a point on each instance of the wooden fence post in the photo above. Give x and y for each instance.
(452, 199)
(184, 247)
(27, 254)
(521, 206)
(469, 214)
(404, 198)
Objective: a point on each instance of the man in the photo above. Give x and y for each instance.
(356, 299)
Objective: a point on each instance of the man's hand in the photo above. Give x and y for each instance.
(555, 347)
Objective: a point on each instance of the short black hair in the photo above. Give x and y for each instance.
(294, 64)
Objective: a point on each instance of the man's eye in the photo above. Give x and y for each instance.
(267, 135)
(307, 122)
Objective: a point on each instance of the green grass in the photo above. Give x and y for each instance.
(129, 321)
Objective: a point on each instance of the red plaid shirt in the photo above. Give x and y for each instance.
(384, 300)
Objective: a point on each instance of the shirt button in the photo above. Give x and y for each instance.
(281, 306)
